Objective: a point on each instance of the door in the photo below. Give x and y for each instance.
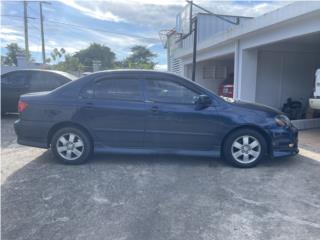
(173, 122)
(13, 85)
(116, 112)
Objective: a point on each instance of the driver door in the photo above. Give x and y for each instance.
(172, 119)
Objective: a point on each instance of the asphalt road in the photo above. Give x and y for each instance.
(156, 197)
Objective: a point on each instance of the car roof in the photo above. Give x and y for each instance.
(136, 71)
(65, 74)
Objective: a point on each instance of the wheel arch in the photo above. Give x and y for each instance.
(252, 127)
(60, 125)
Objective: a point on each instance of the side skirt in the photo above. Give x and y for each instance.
(211, 153)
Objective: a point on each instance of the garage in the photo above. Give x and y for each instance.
(287, 70)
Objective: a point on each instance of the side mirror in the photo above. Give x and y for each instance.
(202, 101)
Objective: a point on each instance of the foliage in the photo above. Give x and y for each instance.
(70, 64)
(96, 52)
(140, 58)
(56, 54)
(13, 50)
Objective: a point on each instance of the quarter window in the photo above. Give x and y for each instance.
(169, 92)
(118, 89)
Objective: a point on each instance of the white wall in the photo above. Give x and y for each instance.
(213, 83)
(284, 74)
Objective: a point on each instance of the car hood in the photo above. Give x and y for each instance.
(256, 107)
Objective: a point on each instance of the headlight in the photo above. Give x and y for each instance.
(282, 120)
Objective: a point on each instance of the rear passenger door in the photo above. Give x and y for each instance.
(115, 112)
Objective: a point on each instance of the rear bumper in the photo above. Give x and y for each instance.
(284, 142)
(31, 133)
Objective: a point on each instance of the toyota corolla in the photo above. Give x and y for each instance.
(150, 112)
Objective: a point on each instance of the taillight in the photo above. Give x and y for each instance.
(22, 106)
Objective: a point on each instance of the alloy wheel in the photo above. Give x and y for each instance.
(246, 149)
(70, 146)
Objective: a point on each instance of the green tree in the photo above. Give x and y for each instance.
(96, 52)
(56, 54)
(13, 50)
(70, 64)
(140, 58)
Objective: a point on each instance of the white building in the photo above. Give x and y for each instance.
(22, 63)
(273, 56)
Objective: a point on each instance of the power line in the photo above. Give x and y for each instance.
(93, 29)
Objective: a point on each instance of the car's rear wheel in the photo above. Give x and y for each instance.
(245, 148)
(71, 145)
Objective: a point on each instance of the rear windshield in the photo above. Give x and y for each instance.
(68, 75)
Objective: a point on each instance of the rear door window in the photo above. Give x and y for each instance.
(43, 81)
(36, 82)
(119, 89)
(16, 80)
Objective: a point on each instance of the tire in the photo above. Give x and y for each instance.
(71, 145)
(245, 148)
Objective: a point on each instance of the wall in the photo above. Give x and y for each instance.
(284, 74)
(209, 26)
(210, 83)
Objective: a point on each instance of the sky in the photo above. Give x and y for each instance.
(118, 24)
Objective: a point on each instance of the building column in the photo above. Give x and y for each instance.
(245, 73)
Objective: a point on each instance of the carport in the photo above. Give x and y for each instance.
(286, 69)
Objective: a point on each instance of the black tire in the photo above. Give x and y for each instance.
(78, 134)
(238, 135)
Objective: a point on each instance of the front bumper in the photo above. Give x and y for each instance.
(284, 142)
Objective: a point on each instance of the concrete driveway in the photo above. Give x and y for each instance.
(156, 197)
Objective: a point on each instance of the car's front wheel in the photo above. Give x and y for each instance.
(245, 148)
(71, 145)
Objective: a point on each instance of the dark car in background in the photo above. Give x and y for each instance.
(16, 83)
(150, 112)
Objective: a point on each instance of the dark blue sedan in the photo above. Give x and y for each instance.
(150, 112)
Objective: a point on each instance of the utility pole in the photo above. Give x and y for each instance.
(42, 32)
(42, 35)
(26, 40)
(194, 54)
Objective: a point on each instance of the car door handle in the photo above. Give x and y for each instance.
(154, 109)
(88, 105)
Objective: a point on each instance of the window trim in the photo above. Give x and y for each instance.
(147, 95)
(92, 86)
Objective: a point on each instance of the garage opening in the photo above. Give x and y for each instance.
(286, 75)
